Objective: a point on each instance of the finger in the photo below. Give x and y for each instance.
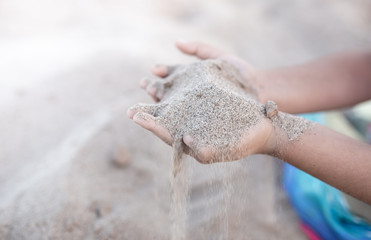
(149, 122)
(202, 154)
(205, 155)
(142, 107)
(160, 70)
(163, 71)
(199, 49)
(156, 90)
(144, 83)
(154, 87)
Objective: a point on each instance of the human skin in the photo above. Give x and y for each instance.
(336, 81)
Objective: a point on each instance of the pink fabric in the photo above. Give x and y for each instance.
(309, 232)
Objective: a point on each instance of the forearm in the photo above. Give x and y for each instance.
(336, 81)
(333, 158)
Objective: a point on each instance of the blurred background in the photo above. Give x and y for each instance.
(74, 167)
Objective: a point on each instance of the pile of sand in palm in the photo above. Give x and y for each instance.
(207, 101)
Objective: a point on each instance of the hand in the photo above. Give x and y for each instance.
(257, 140)
(203, 51)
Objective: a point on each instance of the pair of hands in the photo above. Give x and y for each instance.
(259, 139)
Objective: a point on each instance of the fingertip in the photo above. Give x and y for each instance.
(204, 155)
(188, 140)
(130, 112)
(159, 95)
(143, 83)
(181, 42)
(199, 49)
(141, 107)
(145, 120)
(160, 70)
(151, 91)
(183, 45)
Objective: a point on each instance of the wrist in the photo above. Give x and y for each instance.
(275, 140)
(287, 128)
(262, 84)
(263, 139)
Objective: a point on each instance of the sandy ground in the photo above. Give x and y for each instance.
(69, 70)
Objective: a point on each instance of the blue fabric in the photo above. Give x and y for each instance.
(320, 206)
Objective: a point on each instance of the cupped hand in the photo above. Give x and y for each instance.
(258, 139)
